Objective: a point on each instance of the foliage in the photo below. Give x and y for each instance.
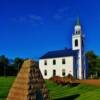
(63, 80)
(93, 64)
(3, 64)
(8, 67)
(18, 62)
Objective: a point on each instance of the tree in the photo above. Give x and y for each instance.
(98, 66)
(3, 64)
(18, 62)
(93, 63)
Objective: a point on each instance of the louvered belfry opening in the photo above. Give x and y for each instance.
(29, 84)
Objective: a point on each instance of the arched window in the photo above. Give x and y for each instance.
(54, 62)
(63, 72)
(76, 43)
(45, 72)
(63, 61)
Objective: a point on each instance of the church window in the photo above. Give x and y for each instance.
(54, 62)
(45, 72)
(63, 61)
(63, 72)
(45, 62)
(78, 32)
(76, 43)
(54, 72)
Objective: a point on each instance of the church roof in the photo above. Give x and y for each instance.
(60, 53)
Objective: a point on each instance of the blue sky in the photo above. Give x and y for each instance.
(30, 28)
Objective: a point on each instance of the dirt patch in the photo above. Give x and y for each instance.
(91, 82)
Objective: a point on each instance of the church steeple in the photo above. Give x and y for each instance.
(77, 29)
(78, 44)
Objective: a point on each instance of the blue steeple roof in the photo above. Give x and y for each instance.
(60, 53)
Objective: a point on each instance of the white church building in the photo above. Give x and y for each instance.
(67, 61)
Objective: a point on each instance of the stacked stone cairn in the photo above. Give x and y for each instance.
(29, 84)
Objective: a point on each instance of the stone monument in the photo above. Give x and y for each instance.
(29, 84)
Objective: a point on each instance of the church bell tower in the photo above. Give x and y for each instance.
(78, 44)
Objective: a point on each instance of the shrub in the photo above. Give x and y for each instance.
(63, 80)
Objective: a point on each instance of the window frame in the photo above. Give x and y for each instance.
(76, 43)
(54, 62)
(45, 62)
(54, 72)
(63, 72)
(63, 61)
(45, 72)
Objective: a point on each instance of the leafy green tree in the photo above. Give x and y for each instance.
(3, 64)
(18, 62)
(93, 63)
(98, 66)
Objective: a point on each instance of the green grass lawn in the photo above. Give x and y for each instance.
(5, 84)
(79, 92)
(58, 92)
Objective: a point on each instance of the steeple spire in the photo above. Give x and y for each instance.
(78, 21)
(77, 29)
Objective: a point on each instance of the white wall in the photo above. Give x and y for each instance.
(79, 47)
(81, 56)
(78, 37)
(68, 66)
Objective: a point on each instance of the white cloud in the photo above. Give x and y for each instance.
(32, 19)
(35, 19)
(57, 16)
(64, 13)
(63, 9)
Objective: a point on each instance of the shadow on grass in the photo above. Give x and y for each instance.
(72, 97)
(70, 84)
(75, 84)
